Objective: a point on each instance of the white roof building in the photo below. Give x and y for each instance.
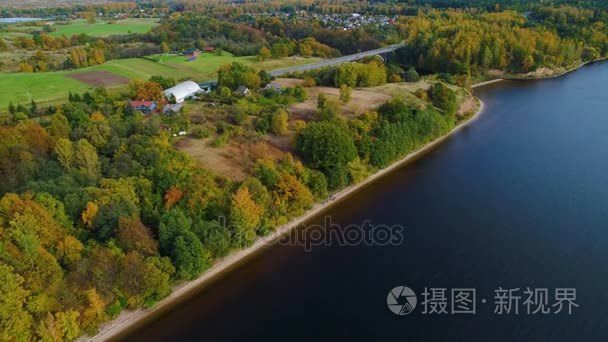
(182, 91)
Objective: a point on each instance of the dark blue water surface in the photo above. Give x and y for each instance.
(517, 199)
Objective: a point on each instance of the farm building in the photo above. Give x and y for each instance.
(182, 91)
(192, 53)
(143, 106)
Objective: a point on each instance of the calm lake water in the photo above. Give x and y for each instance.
(17, 20)
(517, 199)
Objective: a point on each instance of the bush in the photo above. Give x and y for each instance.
(200, 132)
(309, 81)
(446, 77)
(444, 98)
(329, 148)
(221, 140)
(412, 75)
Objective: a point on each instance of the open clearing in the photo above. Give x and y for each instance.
(206, 65)
(52, 87)
(76, 27)
(233, 160)
(104, 29)
(361, 100)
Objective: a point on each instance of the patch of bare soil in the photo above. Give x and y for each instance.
(495, 73)
(233, 160)
(360, 102)
(99, 78)
(288, 82)
(541, 72)
(468, 106)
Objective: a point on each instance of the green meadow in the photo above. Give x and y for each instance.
(75, 27)
(103, 29)
(53, 87)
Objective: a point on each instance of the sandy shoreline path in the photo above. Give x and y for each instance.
(130, 319)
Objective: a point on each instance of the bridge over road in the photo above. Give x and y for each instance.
(208, 85)
(336, 61)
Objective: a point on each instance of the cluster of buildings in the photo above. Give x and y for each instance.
(175, 95)
(347, 21)
(352, 20)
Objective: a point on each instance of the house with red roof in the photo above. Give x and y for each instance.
(145, 107)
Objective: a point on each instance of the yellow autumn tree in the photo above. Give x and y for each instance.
(95, 312)
(264, 53)
(245, 216)
(96, 116)
(89, 213)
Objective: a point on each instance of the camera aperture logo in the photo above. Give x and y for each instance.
(401, 300)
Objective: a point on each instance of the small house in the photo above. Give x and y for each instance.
(145, 107)
(192, 53)
(274, 87)
(209, 49)
(244, 91)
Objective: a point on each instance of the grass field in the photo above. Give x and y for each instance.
(98, 29)
(206, 65)
(103, 29)
(52, 87)
(45, 87)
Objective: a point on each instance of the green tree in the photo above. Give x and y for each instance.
(164, 47)
(237, 74)
(279, 123)
(189, 256)
(165, 82)
(329, 148)
(59, 126)
(65, 153)
(326, 108)
(62, 326)
(412, 75)
(347, 74)
(86, 158)
(444, 98)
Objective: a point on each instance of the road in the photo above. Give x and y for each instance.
(336, 61)
(327, 63)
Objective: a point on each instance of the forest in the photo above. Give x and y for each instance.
(100, 213)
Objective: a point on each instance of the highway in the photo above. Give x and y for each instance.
(336, 61)
(327, 63)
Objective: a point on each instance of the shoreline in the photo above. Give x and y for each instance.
(128, 320)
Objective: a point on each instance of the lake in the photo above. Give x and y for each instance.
(17, 20)
(517, 199)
